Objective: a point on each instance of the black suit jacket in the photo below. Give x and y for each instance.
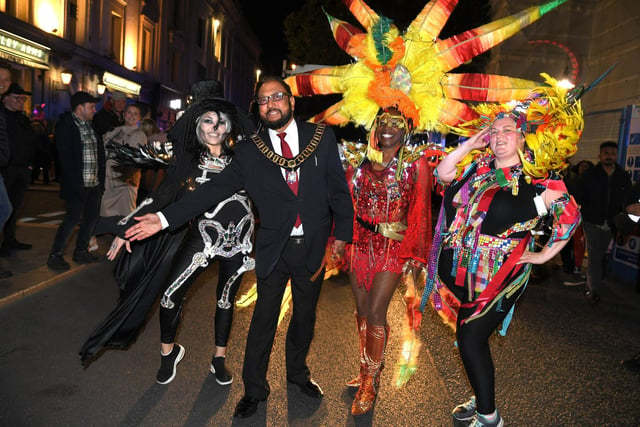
(69, 147)
(323, 198)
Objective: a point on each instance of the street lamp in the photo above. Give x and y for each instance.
(101, 88)
(66, 77)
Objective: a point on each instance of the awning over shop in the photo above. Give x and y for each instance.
(117, 83)
(18, 49)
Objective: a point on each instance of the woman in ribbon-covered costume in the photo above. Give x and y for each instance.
(502, 185)
(168, 265)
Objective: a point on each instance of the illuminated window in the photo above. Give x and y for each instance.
(72, 20)
(17, 8)
(147, 45)
(116, 37)
(145, 50)
(217, 38)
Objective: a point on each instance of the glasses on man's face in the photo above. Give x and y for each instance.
(19, 98)
(275, 97)
(387, 120)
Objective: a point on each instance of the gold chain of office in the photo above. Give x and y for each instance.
(283, 162)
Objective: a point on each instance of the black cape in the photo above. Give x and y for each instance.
(142, 274)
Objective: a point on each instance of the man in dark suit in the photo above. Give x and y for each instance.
(300, 191)
(82, 161)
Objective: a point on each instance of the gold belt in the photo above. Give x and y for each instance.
(390, 230)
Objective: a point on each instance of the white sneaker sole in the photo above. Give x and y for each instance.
(213, 371)
(175, 363)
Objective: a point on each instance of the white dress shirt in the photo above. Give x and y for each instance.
(294, 145)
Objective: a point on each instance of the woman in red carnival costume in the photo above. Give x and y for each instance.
(392, 200)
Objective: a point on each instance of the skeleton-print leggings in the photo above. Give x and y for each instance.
(170, 316)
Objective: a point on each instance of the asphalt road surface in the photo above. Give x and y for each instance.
(558, 365)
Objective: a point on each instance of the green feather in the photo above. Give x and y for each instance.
(378, 32)
(546, 8)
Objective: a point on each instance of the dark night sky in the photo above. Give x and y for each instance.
(266, 20)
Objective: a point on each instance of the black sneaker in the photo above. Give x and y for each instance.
(57, 262)
(223, 377)
(167, 371)
(84, 257)
(16, 245)
(464, 413)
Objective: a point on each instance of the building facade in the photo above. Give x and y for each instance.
(580, 40)
(152, 50)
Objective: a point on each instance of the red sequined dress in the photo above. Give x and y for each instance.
(382, 197)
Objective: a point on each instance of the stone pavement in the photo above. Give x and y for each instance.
(29, 267)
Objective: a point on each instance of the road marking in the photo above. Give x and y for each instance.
(44, 218)
(57, 213)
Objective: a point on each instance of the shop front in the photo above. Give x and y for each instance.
(29, 62)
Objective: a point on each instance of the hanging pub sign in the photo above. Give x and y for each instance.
(23, 51)
(118, 83)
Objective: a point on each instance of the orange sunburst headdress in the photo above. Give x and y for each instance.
(410, 70)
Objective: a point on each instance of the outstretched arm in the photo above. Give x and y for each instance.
(147, 226)
(115, 247)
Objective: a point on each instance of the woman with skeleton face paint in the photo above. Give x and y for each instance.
(202, 143)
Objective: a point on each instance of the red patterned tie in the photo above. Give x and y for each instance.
(293, 181)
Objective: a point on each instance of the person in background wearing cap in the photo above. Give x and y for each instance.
(111, 115)
(5, 203)
(17, 174)
(82, 170)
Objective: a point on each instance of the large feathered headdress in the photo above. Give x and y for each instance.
(551, 119)
(410, 70)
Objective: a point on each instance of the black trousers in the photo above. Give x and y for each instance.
(16, 180)
(83, 208)
(473, 344)
(305, 293)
